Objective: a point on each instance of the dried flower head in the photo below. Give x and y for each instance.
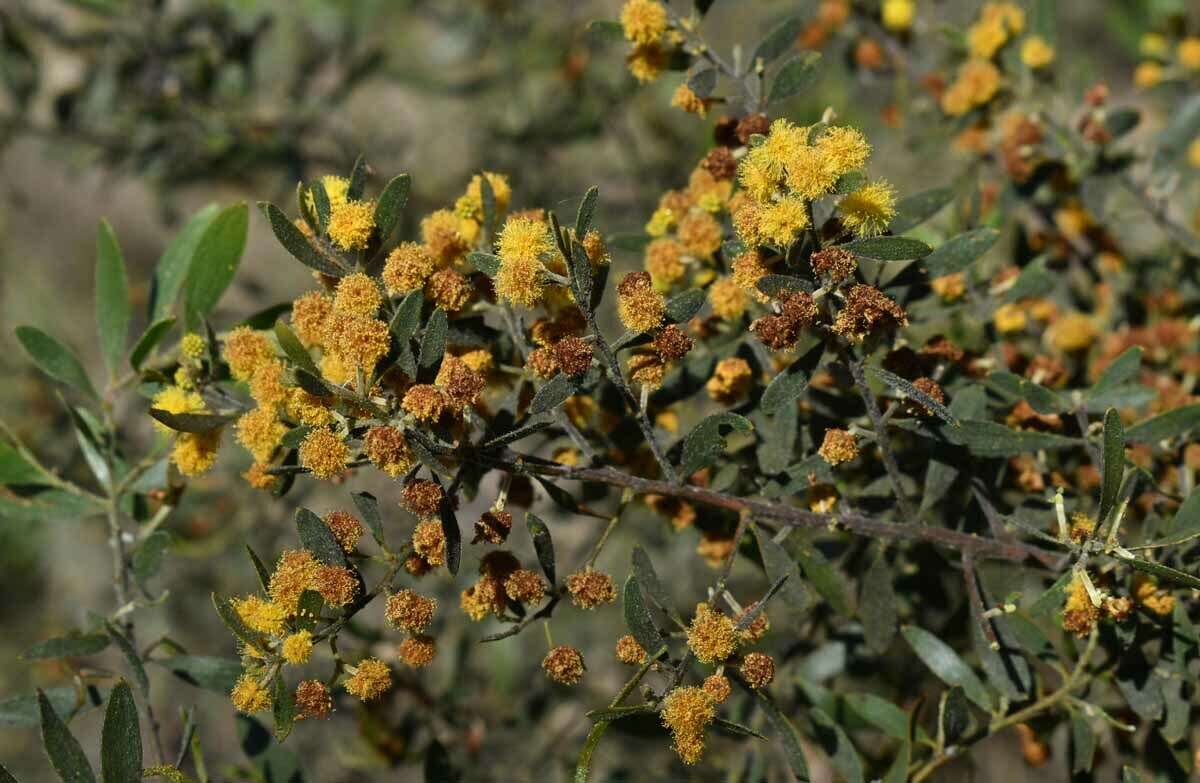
(574, 355)
(711, 636)
(345, 528)
(931, 389)
(423, 497)
(424, 401)
(409, 611)
(646, 369)
(757, 669)
(1079, 613)
(337, 585)
(731, 380)
(629, 652)
(718, 687)
(590, 588)
(839, 446)
(313, 700)
(417, 651)
(493, 526)
(564, 665)
(388, 450)
(867, 310)
(460, 385)
(834, 263)
(369, 680)
(429, 541)
(525, 587)
(672, 343)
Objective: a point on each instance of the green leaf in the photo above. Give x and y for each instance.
(63, 750)
(1162, 571)
(294, 349)
(433, 342)
(682, 306)
(849, 182)
(788, 386)
(960, 252)
(24, 711)
(553, 393)
(637, 616)
(176, 260)
(131, 657)
(792, 748)
(587, 209)
(836, 744)
(1114, 462)
(52, 358)
(1083, 744)
(153, 335)
(1013, 387)
(15, 469)
(779, 565)
(778, 41)
(437, 768)
(1185, 525)
(452, 534)
(877, 606)
(912, 392)
(283, 707)
(67, 647)
(296, 243)
(121, 738)
(112, 298)
(705, 444)
(190, 422)
(6, 776)
(581, 274)
(826, 580)
(203, 671)
(358, 179)
(316, 537)
(946, 664)
(390, 204)
(914, 210)
(542, 544)
(888, 248)
(989, 439)
(1181, 129)
(795, 75)
(880, 713)
(617, 713)
(651, 585)
(368, 506)
(408, 317)
(485, 262)
(215, 263)
(234, 623)
(1172, 424)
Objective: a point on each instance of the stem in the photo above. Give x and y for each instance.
(881, 438)
(583, 767)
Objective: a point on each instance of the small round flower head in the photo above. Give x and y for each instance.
(718, 687)
(429, 541)
(629, 652)
(779, 224)
(574, 355)
(257, 476)
(776, 331)
(294, 573)
(422, 497)
(757, 669)
(442, 235)
(683, 98)
(259, 615)
(1188, 53)
(839, 446)
(729, 300)
(309, 312)
(352, 224)
(1036, 52)
(869, 210)
(1149, 595)
(833, 263)
(731, 380)
(173, 399)
(191, 346)
(409, 611)
(521, 244)
(297, 647)
(801, 308)
(357, 294)
(260, 432)
(417, 651)
(646, 62)
(1118, 609)
(501, 191)
(407, 268)
(591, 588)
(245, 349)
(248, 696)
(1072, 332)
(639, 306)
(759, 175)
(345, 528)
(336, 585)
(313, 700)
(810, 172)
(370, 679)
(195, 452)
(643, 21)
(1079, 613)
(930, 388)
(1009, 318)
(746, 270)
(866, 310)
(474, 603)
(700, 234)
(686, 712)
(564, 665)
(646, 369)
(388, 450)
(672, 343)
(1082, 527)
(448, 290)
(357, 340)
(266, 384)
(525, 586)
(424, 401)
(336, 189)
(897, 15)
(949, 287)
(664, 262)
(711, 636)
(460, 384)
(307, 408)
(324, 453)
(416, 565)
(542, 363)
(845, 148)
(335, 369)
(493, 526)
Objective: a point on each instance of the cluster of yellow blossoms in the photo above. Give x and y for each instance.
(1167, 61)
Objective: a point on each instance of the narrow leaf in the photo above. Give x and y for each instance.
(121, 738)
(176, 260)
(1114, 462)
(63, 750)
(391, 203)
(297, 244)
(112, 298)
(216, 261)
(542, 544)
(52, 358)
(946, 664)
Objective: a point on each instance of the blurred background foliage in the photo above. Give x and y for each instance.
(142, 111)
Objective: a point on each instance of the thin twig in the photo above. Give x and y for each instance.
(881, 438)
